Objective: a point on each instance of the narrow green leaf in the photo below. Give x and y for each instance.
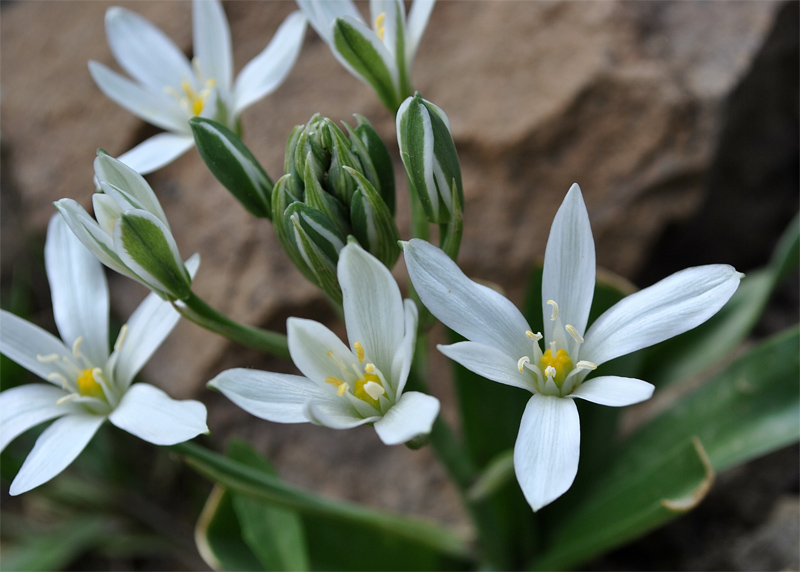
(358, 51)
(232, 163)
(275, 535)
(380, 158)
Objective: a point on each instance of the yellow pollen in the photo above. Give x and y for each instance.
(380, 28)
(367, 393)
(359, 351)
(559, 366)
(196, 100)
(341, 386)
(88, 386)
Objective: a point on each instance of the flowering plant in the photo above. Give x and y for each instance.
(517, 393)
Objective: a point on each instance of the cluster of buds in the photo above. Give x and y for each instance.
(335, 186)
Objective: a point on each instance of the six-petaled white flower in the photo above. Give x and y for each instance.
(168, 90)
(346, 386)
(380, 54)
(89, 385)
(503, 348)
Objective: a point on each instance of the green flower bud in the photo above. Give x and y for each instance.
(232, 163)
(430, 158)
(336, 184)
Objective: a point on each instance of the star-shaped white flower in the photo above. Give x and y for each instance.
(380, 54)
(503, 348)
(89, 385)
(167, 90)
(346, 386)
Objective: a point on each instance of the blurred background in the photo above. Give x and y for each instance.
(679, 120)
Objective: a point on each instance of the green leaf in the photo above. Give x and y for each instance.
(275, 535)
(152, 253)
(696, 351)
(669, 484)
(218, 535)
(380, 158)
(749, 409)
(339, 531)
(358, 51)
(232, 163)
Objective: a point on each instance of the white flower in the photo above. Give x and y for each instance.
(131, 234)
(380, 55)
(504, 349)
(168, 90)
(346, 386)
(88, 385)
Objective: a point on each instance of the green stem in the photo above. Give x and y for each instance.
(250, 481)
(196, 310)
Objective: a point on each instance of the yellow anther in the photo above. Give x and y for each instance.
(583, 364)
(341, 386)
(369, 368)
(48, 358)
(380, 27)
(88, 385)
(359, 351)
(574, 333)
(557, 366)
(532, 336)
(521, 363)
(555, 310)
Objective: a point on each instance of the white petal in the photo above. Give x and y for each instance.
(127, 186)
(144, 51)
(614, 391)
(212, 42)
(309, 345)
(26, 406)
(148, 327)
(476, 312)
(92, 236)
(489, 362)
(547, 449)
(54, 450)
(79, 290)
(418, 17)
(276, 397)
(22, 341)
(373, 306)
(156, 152)
(413, 415)
(569, 265)
(268, 70)
(404, 356)
(336, 414)
(152, 415)
(321, 14)
(670, 307)
(156, 107)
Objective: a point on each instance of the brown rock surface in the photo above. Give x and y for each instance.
(624, 98)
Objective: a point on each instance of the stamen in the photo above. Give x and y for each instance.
(66, 398)
(550, 371)
(359, 351)
(374, 390)
(522, 361)
(555, 310)
(380, 28)
(339, 363)
(76, 348)
(574, 333)
(535, 337)
(123, 333)
(48, 358)
(341, 386)
(583, 364)
(370, 368)
(60, 378)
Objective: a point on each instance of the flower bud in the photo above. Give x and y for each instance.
(232, 163)
(334, 186)
(430, 158)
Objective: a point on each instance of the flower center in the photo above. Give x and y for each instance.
(557, 366)
(193, 100)
(363, 378)
(88, 385)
